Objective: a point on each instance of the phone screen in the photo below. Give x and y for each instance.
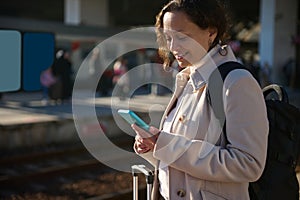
(133, 118)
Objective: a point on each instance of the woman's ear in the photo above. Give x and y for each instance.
(212, 33)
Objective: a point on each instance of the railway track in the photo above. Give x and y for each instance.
(16, 174)
(40, 172)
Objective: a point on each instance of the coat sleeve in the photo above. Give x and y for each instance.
(243, 158)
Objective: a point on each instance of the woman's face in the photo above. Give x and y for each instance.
(187, 41)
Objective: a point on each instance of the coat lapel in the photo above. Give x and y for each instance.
(180, 83)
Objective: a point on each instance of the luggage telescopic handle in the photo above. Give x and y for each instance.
(279, 90)
(149, 179)
(146, 171)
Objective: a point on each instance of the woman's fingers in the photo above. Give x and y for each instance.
(145, 141)
(140, 132)
(142, 148)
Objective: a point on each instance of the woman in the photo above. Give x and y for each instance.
(194, 157)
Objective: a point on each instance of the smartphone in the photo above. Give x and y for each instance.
(132, 118)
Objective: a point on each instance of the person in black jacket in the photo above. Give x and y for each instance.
(62, 69)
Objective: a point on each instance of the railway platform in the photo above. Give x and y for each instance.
(28, 121)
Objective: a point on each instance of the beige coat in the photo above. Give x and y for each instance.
(195, 159)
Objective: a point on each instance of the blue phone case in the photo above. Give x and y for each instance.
(132, 118)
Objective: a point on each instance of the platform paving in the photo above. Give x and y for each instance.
(22, 108)
(26, 120)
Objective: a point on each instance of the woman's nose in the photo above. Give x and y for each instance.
(174, 45)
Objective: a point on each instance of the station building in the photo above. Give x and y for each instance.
(270, 29)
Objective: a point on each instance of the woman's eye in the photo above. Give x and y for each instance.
(182, 38)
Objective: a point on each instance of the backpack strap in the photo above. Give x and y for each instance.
(215, 88)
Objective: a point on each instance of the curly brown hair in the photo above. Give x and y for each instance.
(204, 13)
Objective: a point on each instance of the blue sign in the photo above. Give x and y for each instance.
(37, 55)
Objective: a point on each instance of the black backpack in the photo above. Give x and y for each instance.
(279, 180)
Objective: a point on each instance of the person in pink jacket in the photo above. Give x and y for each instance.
(195, 159)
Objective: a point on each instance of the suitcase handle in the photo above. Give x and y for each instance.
(149, 179)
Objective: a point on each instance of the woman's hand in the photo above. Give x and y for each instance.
(145, 141)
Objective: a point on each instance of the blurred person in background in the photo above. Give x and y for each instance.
(120, 80)
(62, 70)
(47, 79)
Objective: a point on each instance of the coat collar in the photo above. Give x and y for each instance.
(200, 72)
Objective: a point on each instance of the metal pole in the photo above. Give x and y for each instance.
(149, 191)
(135, 187)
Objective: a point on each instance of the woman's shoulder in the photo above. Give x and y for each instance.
(237, 75)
